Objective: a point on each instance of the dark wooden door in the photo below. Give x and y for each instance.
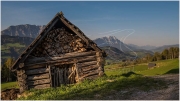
(62, 74)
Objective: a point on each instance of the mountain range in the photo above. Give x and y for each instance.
(15, 39)
(146, 47)
(26, 30)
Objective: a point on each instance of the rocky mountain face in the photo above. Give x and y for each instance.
(115, 54)
(23, 30)
(113, 42)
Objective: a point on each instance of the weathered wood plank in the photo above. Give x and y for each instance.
(89, 77)
(98, 54)
(77, 73)
(92, 76)
(50, 78)
(94, 72)
(40, 86)
(39, 76)
(86, 64)
(57, 77)
(88, 68)
(88, 72)
(37, 71)
(85, 58)
(60, 62)
(61, 76)
(35, 66)
(65, 56)
(37, 82)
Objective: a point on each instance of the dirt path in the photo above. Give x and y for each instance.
(171, 92)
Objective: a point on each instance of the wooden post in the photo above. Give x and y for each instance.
(50, 75)
(77, 74)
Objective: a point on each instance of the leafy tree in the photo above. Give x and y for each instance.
(6, 70)
(176, 52)
(165, 53)
(148, 57)
(4, 73)
(157, 56)
(171, 53)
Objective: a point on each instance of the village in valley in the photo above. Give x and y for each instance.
(59, 61)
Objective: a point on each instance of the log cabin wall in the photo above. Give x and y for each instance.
(67, 70)
(61, 58)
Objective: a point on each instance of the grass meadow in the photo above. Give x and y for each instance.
(117, 79)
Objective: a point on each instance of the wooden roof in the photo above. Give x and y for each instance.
(58, 17)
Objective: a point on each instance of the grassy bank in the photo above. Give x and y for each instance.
(117, 81)
(99, 89)
(163, 67)
(8, 85)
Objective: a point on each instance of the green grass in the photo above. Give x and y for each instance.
(5, 47)
(14, 45)
(117, 70)
(95, 89)
(8, 85)
(163, 67)
(116, 81)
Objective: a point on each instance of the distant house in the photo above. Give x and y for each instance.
(151, 65)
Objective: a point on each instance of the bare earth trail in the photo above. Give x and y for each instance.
(171, 92)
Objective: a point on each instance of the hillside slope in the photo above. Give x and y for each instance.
(13, 46)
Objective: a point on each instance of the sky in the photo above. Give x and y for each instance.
(141, 23)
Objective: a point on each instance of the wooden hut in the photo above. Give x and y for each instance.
(151, 65)
(61, 54)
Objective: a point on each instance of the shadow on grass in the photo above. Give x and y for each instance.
(98, 89)
(173, 71)
(129, 74)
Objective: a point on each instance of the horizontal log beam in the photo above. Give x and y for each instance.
(86, 64)
(37, 71)
(40, 76)
(40, 86)
(86, 58)
(63, 61)
(65, 56)
(88, 72)
(87, 68)
(92, 76)
(95, 72)
(28, 67)
(38, 82)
